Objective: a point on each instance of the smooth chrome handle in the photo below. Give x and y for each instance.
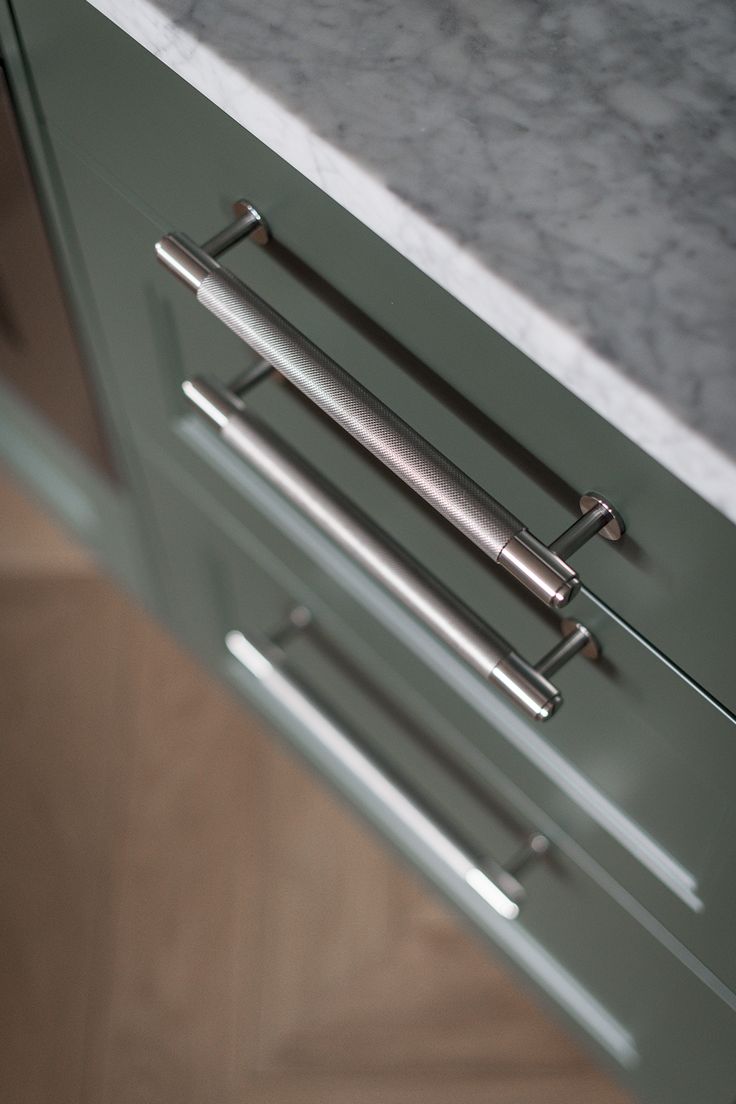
(496, 884)
(483, 520)
(488, 653)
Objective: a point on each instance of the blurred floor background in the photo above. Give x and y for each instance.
(187, 917)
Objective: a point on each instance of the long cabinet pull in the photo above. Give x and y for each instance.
(483, 520)
(487, 652)
(496, 884)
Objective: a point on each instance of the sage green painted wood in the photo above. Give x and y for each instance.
(668, 1037)
(50, 198)
(103, 514)
(672, 578)
(635, 744)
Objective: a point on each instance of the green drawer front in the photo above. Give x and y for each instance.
(666, 1034)
(182, 160)
(635, 743)
(617, 780)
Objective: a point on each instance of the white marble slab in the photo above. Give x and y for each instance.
(566, 172)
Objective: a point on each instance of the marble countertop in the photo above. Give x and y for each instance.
(566, 171)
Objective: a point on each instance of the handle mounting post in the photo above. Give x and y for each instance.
(248, 223)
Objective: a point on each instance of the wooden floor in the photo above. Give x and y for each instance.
(186, 917)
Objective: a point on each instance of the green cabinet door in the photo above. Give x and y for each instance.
(56, 430)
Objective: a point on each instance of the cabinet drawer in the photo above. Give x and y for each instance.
(613, 767)
(393, 329)
(635, 743)
(668, 1036)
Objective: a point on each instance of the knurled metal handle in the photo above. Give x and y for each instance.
(489, 525)
(498, 885)
(484, 649)
(483, 520)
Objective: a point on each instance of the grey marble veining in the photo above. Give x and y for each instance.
(583, 153)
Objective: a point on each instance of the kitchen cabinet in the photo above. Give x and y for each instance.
(631, 820)
(549, 447)
(626, 922)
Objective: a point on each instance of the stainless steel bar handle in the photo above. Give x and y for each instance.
(430, 474)
(489, 654)
(496, 885)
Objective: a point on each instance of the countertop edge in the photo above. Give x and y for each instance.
(630, 408)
